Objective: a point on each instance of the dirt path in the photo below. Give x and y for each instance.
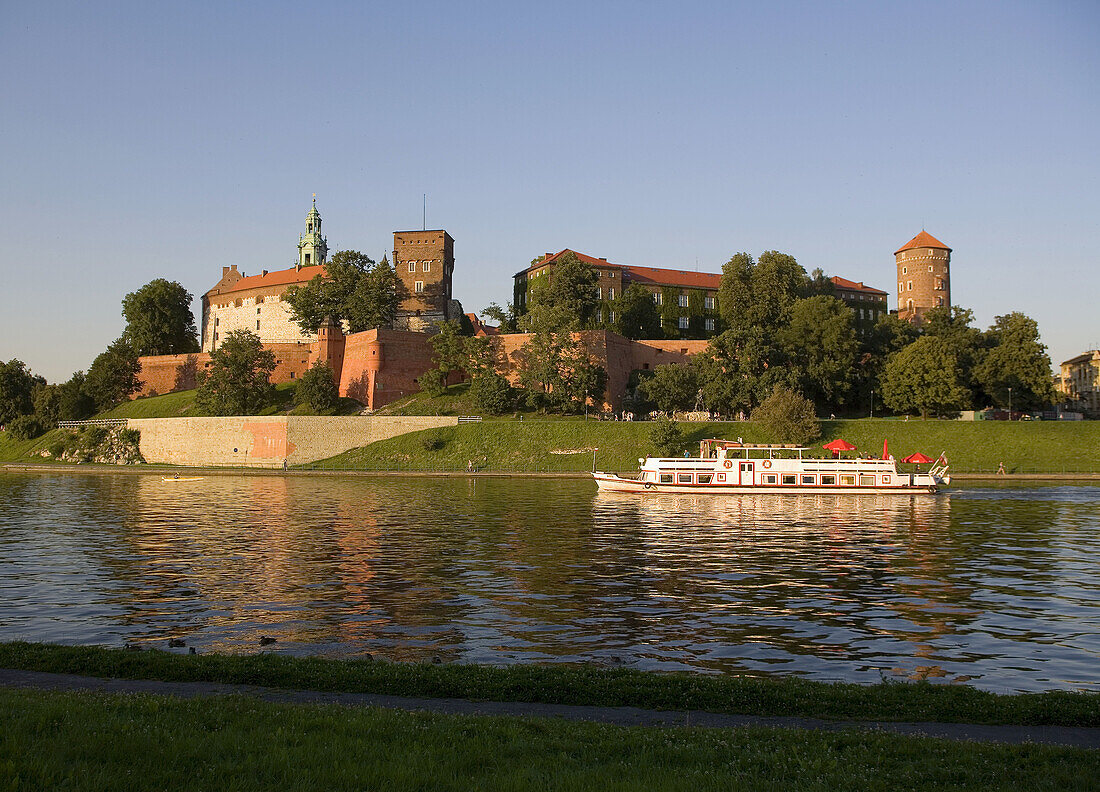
(1074, 737)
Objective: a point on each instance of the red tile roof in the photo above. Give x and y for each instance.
(480, 328)
(668, 277)
(847, 285)
(287, 277)
(550, 259)
(923, 239)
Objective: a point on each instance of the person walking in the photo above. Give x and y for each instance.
(1001, 469)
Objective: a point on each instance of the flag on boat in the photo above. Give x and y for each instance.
(885, 449)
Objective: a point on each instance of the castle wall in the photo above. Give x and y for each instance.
(265, 441)
(260, 311)
(162, 374)
(381, 366)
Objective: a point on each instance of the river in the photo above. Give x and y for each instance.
(996, 587)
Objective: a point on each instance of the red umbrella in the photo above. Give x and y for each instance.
(838, 445)
(917, 457)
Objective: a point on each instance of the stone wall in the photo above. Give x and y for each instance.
(162, 374)
(265, 441)
(381, 366)
(262, 312)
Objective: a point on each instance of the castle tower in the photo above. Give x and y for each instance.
(424, 261)
(312, 247)
(924, 281)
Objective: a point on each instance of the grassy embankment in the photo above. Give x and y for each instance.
(83, 741)
(556, 684)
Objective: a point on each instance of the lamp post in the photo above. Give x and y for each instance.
(872, 402)
(1010, 404)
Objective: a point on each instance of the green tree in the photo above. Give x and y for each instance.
(491, 392)
(1016, 359)
(671, 387)
(74, 403)
(788, 417)
(113, 375)
(738, 369)
(17, 386)
(505, 317)
(354, 290)
(666, 436)
(925, 377)
(759, 294)
(636, 315)
(735, 291)
(159, 319)
(238, 380)
(953, 326)
(571, 289)
(820, 340)
(317, 388)
(26, 427)
(449, 355)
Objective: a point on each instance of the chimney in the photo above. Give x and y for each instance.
(225, 271)
(602, 258)
(264, 273)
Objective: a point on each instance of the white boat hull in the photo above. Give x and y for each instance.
(609, 482)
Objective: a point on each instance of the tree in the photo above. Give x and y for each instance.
(953, 326)
(925, 377)
(26, 427)
(821, 340)
(636, 315)
(1016, 359)
(788, 417)
(159, 319)
(571, 289)
(238, 380)
(317, 388)
(666, 435)
(759, 294)
(16, 390)
(354, 290)
(738, 369)
(735, 291)
(112, 377)
(449, 354)
(491, 392)
(671, 387)
(505, 317)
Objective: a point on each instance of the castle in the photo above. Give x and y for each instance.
(381, 365)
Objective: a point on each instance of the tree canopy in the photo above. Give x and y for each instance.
(238, 380)
(788, 417)
(636, 315)
(820, 341)
(1016, 359)
(570, 289)
(317, 388)
(113, 375)
(671, 387)
(16, 390)
(355, 290)
(159, 319)
(760, 293)
(925, 377)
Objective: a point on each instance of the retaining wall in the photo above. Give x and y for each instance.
(265, 441)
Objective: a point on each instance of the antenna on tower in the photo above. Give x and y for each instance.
(424, 218)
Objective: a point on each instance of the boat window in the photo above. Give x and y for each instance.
(768, 478)
(848, 480)
(828, 479)
(666, 478)
(683, 478)
(866, 481)
(790, 478)
(809, 479)
(704, 478)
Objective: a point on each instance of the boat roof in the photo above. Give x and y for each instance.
(737, 444)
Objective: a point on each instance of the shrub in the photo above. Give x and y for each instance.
(92, 437)
(432, 442)
(56, 448)
(788, 417)
(492, 393)
(665, 434)
(317, 388)
(26, 427)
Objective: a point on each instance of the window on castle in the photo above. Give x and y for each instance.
(708, 303)
(215, 321)
(612, 317)
(659, 298)
(257, 311)
(611, 294)
(427, 266)
(599, 293)
(904, 270)
(910, 285)
(709, 325)
(683, 323)
(418, 287)
(412, 266)
(683, 301)
(257, 324)
(930, 268)
(307, 259)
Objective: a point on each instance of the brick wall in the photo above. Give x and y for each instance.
(381, 366)
(924, 278)
(167, 373)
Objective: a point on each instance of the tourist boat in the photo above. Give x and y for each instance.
(727, 467)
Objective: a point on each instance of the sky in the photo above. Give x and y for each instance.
(152, 140)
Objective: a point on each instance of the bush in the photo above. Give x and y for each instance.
(92, 437)
(56, 448)
(665, 434)
(26, 427)
(317, 388)
(788, 417)
(492, 393)
(432, 442)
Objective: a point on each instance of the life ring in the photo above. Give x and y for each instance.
(649, 485)
(728, 464)
(766, 463)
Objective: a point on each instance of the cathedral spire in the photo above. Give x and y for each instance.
(312, 247)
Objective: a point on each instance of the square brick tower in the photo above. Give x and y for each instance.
(424, 261)
(923, 278)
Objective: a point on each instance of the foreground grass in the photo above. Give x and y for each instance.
(83, 741)
(510, 444)
(573, 685)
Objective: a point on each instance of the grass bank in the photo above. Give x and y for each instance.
(894, 701)
(566, 445)
(83, 741)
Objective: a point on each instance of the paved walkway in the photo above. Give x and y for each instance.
(1076, 737)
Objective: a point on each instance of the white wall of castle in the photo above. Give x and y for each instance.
(227, 313)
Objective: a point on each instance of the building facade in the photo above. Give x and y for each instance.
(424, 262)
(1080, 381)
(867, 303)
(924, 279)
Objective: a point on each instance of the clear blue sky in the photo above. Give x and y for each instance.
(143, 140)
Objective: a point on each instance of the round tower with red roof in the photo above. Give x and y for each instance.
(924, 278)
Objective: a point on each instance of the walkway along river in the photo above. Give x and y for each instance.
(993, 586)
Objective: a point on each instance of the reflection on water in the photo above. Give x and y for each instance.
(997, 587)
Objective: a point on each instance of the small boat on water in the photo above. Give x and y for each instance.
(726, 467)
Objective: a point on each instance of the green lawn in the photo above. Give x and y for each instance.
(559, 684)
(86, 741)
(510, 444)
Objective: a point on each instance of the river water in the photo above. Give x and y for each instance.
(996, 587)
